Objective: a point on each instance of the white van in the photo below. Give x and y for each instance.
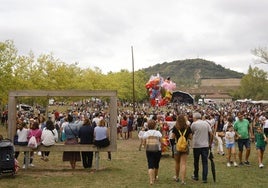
(200, 101)
(24, 107)
(209, 101)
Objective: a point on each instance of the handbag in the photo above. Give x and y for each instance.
(152, 144)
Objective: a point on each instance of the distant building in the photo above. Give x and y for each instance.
(217, 90)
(228, 82)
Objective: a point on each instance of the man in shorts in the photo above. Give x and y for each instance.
(244, 132)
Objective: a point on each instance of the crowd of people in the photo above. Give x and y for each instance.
(73, 127)
(207, 128)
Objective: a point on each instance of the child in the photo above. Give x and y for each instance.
(260, 140)
(140, 135)
(230, 145)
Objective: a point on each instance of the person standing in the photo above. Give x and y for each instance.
(219, 133)
(244, 133)
(153, 157)
(181, 127)
(261, 140)
(140, 135)
(202, 140)
(130, 123)
(265, 125)
(123, 124)
(86, 135)
(139, 122)
(230, 145)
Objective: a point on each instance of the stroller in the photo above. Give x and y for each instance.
(7, 160)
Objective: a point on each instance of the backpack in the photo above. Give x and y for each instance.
(152, 144)
(182, 144)
(32, 142)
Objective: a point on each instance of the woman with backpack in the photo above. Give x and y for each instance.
(152, 140)
(180, 151)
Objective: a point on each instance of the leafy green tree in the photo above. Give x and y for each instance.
(8, 58)
(254, 84)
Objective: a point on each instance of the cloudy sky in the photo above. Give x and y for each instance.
(101, 33)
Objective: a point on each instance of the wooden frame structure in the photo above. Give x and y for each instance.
(12, 111)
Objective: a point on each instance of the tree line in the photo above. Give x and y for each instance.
(21, 72)
(45, 72)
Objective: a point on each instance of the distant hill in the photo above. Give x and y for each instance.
(188, 72)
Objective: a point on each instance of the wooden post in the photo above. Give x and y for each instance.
(97, 156)
(133, 81)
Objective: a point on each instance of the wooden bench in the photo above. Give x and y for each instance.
(60, 147)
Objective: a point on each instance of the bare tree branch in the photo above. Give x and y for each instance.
(262, 54)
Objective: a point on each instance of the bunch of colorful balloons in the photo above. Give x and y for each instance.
(155, 85)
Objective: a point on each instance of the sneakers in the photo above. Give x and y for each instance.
(261, 165)
(221, 153)
(228, 164)
(247, 163)
(194, 178)
(235, 164)
(183, 183)
(241, 164)
(32, 165)
(176, 179)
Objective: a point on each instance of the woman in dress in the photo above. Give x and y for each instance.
(71, 133)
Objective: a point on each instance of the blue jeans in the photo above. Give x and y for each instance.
(203, 152)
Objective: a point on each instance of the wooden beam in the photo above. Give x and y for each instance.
(61, 147)
(64, 93)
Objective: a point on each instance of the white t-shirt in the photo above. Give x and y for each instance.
(265, 125)
(48, 138)
(23, 135)
(230, 137)
(141, 133)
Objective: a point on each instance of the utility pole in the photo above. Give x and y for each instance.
(133, 80)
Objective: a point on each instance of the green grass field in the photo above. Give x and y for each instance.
(128, 168)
